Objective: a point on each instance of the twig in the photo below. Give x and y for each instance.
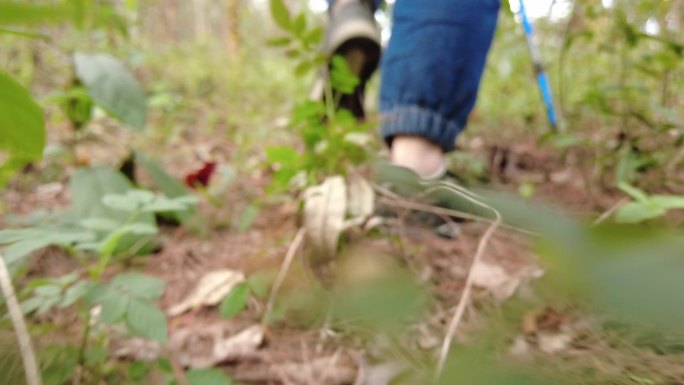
(291, 252)
(28, 356)
(465, 297)
(391, 199)
(617, 206)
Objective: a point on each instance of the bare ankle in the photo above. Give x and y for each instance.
(422, 156)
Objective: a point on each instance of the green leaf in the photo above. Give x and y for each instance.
(169, 186)
(89, 185)
(74, 293)
(22, 128)
(341, 76)
(138, 229)
(299, 25)
(235, 302)
(281, 14)
(113, 87)
(634, 192)
(16, 235)
(285, 156)
(635, 212)
(120, 202)
(314, 37)
(279, 42)
(163, 204)
(207, 377)
(114, 306)
(99, 224)
(146, 320)
(668, 201)
(138, 285)
(18, 250)
(21, 13)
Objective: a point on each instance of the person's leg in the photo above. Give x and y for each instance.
(430, 77)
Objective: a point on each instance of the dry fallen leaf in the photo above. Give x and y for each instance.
(210, 290)
(204, 346)
(494, 279)
(325, 206)
(551, 343)
(499, 282)
(327, 370)
(239, 345)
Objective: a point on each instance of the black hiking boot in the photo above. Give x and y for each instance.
(353, 34)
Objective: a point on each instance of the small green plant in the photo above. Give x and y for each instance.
(333, 139)
(115, 228)
(644, 207)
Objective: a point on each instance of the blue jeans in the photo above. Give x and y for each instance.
(432, 68)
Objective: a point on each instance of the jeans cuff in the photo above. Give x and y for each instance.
(419, 121)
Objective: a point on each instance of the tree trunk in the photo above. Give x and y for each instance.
(233, 37)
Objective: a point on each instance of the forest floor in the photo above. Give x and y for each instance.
(300, 348)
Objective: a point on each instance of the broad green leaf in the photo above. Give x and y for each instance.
(314, 37)
(146, 320)
(285, 156)
(99, 224)
(16, 235)
(114, 306)
(25, 13)
(19, 250)
(299, 25)
(235, 302)
(207, 377)
(120, 202)
(141, 196)
(113, 87)
(30, 305)
(668, 201)
(48, 290)
(89, 185)
(635, 212)
(634, 192)
(138, 229)
(138, 285)
(22, 127)
(74, 293)
(279, 42)
(281, 14)
(163, 204)
(169, 186)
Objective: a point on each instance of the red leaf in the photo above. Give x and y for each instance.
(202, 176)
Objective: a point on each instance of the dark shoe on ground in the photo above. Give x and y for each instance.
(439, 193)
(353, 34)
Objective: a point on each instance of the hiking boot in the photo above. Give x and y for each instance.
(353, 34)
(441, 193)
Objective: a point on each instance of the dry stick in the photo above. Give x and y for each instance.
(284, 268)
(27, 354)
(465, 297)
(612, 210)
(391, 199)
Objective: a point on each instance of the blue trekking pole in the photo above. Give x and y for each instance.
(542, 77)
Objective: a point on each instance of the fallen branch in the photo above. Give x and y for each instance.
(28, 356)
